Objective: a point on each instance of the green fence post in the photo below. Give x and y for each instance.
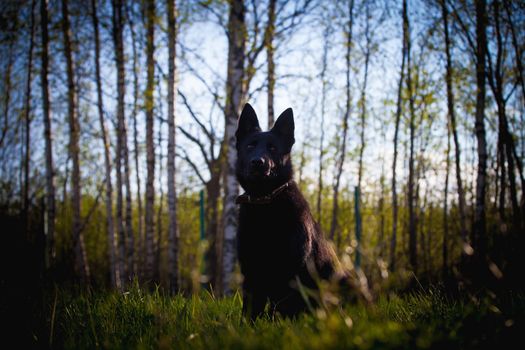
(357, 227)
(203, 281)
(201, 202)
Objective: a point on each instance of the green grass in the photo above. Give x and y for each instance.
(138, 319)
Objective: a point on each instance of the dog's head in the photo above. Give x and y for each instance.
(263, 158)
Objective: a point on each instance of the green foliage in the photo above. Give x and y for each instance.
(135, 319)
(95, 236)
(191, 250)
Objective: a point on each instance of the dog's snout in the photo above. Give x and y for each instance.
(258, 162)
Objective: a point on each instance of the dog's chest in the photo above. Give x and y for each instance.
(268, 222)
(266, 232)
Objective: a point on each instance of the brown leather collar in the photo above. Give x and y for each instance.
(246, 198)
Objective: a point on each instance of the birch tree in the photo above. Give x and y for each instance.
(124, 219)
(234, 93)
(346, 116)
(172, 200)
(114, 271)
(150, 149)
(48, 136)
(270, 52)
(453, 124)
(81, 263)
(479, 229)
(509, 161)
(8, 87)
(27, 118)
(399, 111)
(412, 226)
(134, 117)
(445, 204)
(363, 100)
(324, 91)
(117, 43)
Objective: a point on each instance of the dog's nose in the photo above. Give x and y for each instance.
(258, 162)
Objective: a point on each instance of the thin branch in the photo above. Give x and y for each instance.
(193, 115)
(92, 209)
(511, 92)
(198, 143)
(191, 163)
(218, 15)
(298, 12)
(216, 97)
(464, 28)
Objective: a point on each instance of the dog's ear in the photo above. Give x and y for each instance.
(247, 124)
(284, 128)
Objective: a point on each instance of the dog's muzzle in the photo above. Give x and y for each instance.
(260, 167)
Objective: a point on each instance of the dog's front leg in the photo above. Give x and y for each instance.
(252, 304)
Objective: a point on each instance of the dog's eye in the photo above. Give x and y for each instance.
(272, 148)
(250, 146)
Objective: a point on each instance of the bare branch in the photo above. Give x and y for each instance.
(191, 163)
(93, 207)
(194, 116)
(511, 92)
(295, 17)
(215, 94)
(198, 143)
(199, 58)
(216, 14)
(464, 28)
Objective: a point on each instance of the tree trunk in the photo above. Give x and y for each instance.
(320, 185)
(504, 136)
(130, 237)
(519, 66)
(173, 236)
(7, 98)
(159, 242)
(48, 137)
(150, 150)
(81, 264)
(270, 50)
(119, 57)
(140, 229)
(114, 271)
(363, 98)
(342, 149)
(445, 205)
(452, 121)
(517, 49)
(497, 176)
(363, 115)
(27, 119)
(412, 227)
(131, 262)
(302, 157)
(234, 93)
(126, 236)
(393, 243)
(479, 232)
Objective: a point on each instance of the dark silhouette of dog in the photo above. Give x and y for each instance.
(280, 246)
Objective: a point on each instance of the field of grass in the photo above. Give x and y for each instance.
(138, 319)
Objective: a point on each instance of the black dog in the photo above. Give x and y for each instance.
(279, 244)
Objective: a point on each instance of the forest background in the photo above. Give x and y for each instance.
(118, 121)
